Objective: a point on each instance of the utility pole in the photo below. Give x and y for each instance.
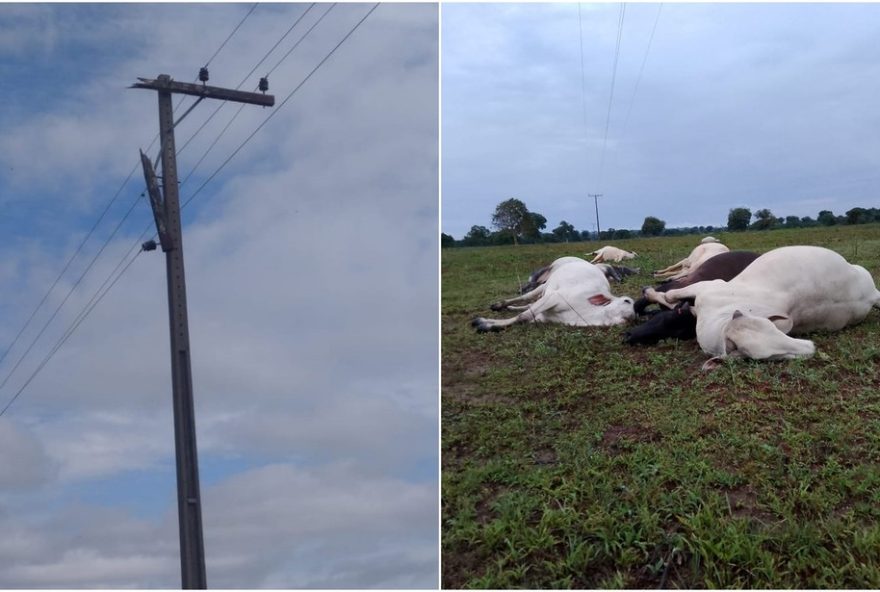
(596, 197)
(166, 212)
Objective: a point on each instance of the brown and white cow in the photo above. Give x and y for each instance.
(789, 290)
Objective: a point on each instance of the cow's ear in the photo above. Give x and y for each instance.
(599, 300)
(737, 314)
(782, 322)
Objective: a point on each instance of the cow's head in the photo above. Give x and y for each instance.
(615, 309)
(764, 338)
(678, 323)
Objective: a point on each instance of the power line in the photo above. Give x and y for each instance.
(583, 75)
(222, 45)
(241, 107)
(129, 212)
(272, 114)
(69, 293)
(295, 45)
(642, 68)
(611, 94)
(94, 302)
(103, 214)
(248, 75)
(64, 339)
(67, 265)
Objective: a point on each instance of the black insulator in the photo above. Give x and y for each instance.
(150, 245)
(264, 84)
(203, 74)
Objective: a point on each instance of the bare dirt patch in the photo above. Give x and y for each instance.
(616, 437)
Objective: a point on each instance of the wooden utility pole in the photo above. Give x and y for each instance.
(596, 197)
(166, 212)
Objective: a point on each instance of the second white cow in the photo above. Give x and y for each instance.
(792, 290)
(703, 251)
(575, 293)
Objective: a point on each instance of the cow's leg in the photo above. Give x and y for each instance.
(526, 298)
(672, 269)
(652, 295)
(537, 278)
(688, 292)
(530, 314)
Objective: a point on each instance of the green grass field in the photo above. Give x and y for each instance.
(570, 459)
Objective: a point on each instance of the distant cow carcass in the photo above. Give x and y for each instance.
(575, 293)
(789, 290)
(609, 253)
(689, 264)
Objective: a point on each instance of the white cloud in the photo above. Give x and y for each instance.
(312, 284)
(275, 526)
(24, 463)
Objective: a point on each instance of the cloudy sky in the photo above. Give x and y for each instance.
(754, 105)
(312, 276)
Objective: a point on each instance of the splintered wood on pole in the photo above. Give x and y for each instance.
(166, 212)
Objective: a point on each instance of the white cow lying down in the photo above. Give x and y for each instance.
(609, 253)
(575, 293)
(703, 251)
(787, 290)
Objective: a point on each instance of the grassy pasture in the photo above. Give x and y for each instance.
(570, 459)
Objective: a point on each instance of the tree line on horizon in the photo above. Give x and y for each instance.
(513, 223)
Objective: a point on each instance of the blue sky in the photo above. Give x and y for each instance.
(312, 284)
(753, 105)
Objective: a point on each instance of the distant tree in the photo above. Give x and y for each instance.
(764, 220)
(653, 226)
(621, 234)
(566, 232)
(792, 222)
(533, 225)
(586, 235)
(858, 216)
(738, 218)
(446, 240)
(827, 218)
(511, 217)
(477, 236)
(807, 222)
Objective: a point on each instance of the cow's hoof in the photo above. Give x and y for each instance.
(712, 364)
(496, 306)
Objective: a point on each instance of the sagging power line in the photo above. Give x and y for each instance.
(111, 281)
(85, 240)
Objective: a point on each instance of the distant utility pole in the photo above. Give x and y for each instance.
(596, 197)
(166, 212)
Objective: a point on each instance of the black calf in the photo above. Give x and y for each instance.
(678, 323)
